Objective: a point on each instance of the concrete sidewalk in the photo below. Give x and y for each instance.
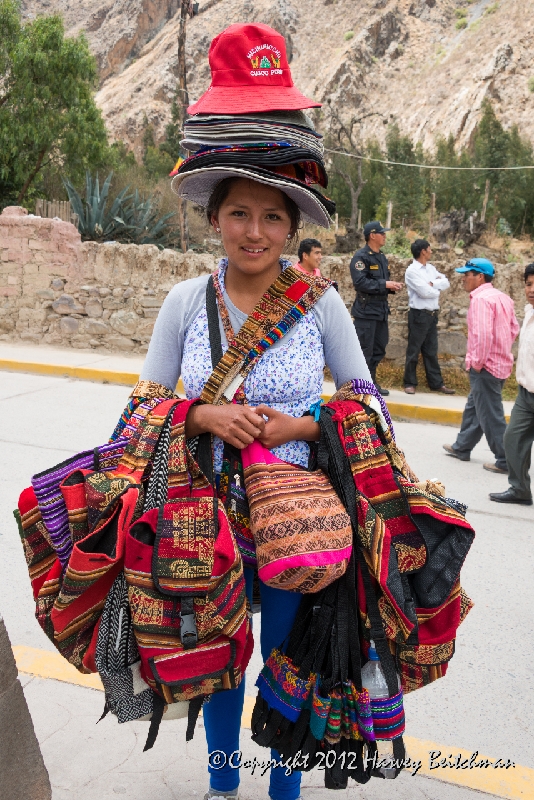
(124, 369)
(88, 762)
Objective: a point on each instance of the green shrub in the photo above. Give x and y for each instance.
(461, 12)
(461, 24)
(398, 244)
(503, 227)
(491, 9)
(349, 35)
(530, 84)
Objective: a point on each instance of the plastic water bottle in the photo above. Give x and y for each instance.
(374, 680)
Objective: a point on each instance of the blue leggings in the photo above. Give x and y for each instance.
(222, 715)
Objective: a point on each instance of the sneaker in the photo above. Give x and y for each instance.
(212, 794)
(455, 454)
(495, 468)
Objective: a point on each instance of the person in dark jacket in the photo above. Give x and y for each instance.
(370, 275)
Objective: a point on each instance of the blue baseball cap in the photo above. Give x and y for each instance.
(482, 265)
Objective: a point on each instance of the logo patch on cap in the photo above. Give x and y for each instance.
(265, 63)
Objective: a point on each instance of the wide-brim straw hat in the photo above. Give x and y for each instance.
(198, 185)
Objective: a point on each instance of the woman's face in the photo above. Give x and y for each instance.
(254, 226)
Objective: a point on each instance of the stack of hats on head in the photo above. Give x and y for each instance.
(251, 124)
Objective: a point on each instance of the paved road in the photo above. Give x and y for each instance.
(484, 703)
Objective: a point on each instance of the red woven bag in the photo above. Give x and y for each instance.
(186, 586)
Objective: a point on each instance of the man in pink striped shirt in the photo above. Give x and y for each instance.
(492, 328)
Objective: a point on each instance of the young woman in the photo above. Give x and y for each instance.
(256, 222)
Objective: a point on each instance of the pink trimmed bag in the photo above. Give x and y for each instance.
(302, 532)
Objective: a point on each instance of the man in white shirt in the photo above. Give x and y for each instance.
(424, 285)
(519, 434)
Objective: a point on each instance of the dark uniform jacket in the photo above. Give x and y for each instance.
(369, 272)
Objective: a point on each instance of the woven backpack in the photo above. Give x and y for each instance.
(186, 587)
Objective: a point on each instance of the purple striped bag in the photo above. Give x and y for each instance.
(106, 457)
(46, 486)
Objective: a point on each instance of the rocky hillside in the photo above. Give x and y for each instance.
(427, 64)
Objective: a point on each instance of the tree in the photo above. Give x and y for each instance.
(48, 117)
(343, 137)
(407, 187)
(157, 161)
(516, 187)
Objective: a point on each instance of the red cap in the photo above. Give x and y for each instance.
(250, 73)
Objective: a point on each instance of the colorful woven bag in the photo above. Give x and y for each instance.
(94, 563)
(186, 586)
(412, 542)
(75, 554)
(302, 533)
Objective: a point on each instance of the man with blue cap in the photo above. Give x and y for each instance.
(491, 330)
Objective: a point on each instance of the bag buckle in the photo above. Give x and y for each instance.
(188, 625)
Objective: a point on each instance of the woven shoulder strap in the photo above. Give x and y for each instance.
(142, 445)
(282, 306)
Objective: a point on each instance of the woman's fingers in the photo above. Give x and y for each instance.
(266, 411)
(238, 425)
(246, 421)
(255, 419)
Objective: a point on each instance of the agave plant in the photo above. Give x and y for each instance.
(130, 218)
(145, 226)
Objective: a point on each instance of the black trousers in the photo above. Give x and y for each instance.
(374, 336)
(422, 338)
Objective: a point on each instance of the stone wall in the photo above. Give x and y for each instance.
(56, 290)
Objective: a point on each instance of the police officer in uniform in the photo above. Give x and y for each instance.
(370, 276)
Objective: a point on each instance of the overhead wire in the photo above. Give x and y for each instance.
(427, 166)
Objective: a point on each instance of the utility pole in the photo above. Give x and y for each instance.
(485, 203)
(432, 208)
(389, 214)
(186, 9)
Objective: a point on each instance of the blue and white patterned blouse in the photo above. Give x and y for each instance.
(288, 377)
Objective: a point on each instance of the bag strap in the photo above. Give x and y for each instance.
(280, 308)
(142, 445)
(183, 468)
(212, 312)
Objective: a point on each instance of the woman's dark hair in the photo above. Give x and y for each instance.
(222, 190)
(529, 270)
(418, 246)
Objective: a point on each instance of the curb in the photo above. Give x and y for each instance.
(440, 416)
(64, 371)
(443, 416)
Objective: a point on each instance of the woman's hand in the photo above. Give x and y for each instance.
(281, 428)
(236, 424)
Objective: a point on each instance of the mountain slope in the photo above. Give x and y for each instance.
(405, 60)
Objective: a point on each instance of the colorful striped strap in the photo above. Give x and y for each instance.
(282, 306)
